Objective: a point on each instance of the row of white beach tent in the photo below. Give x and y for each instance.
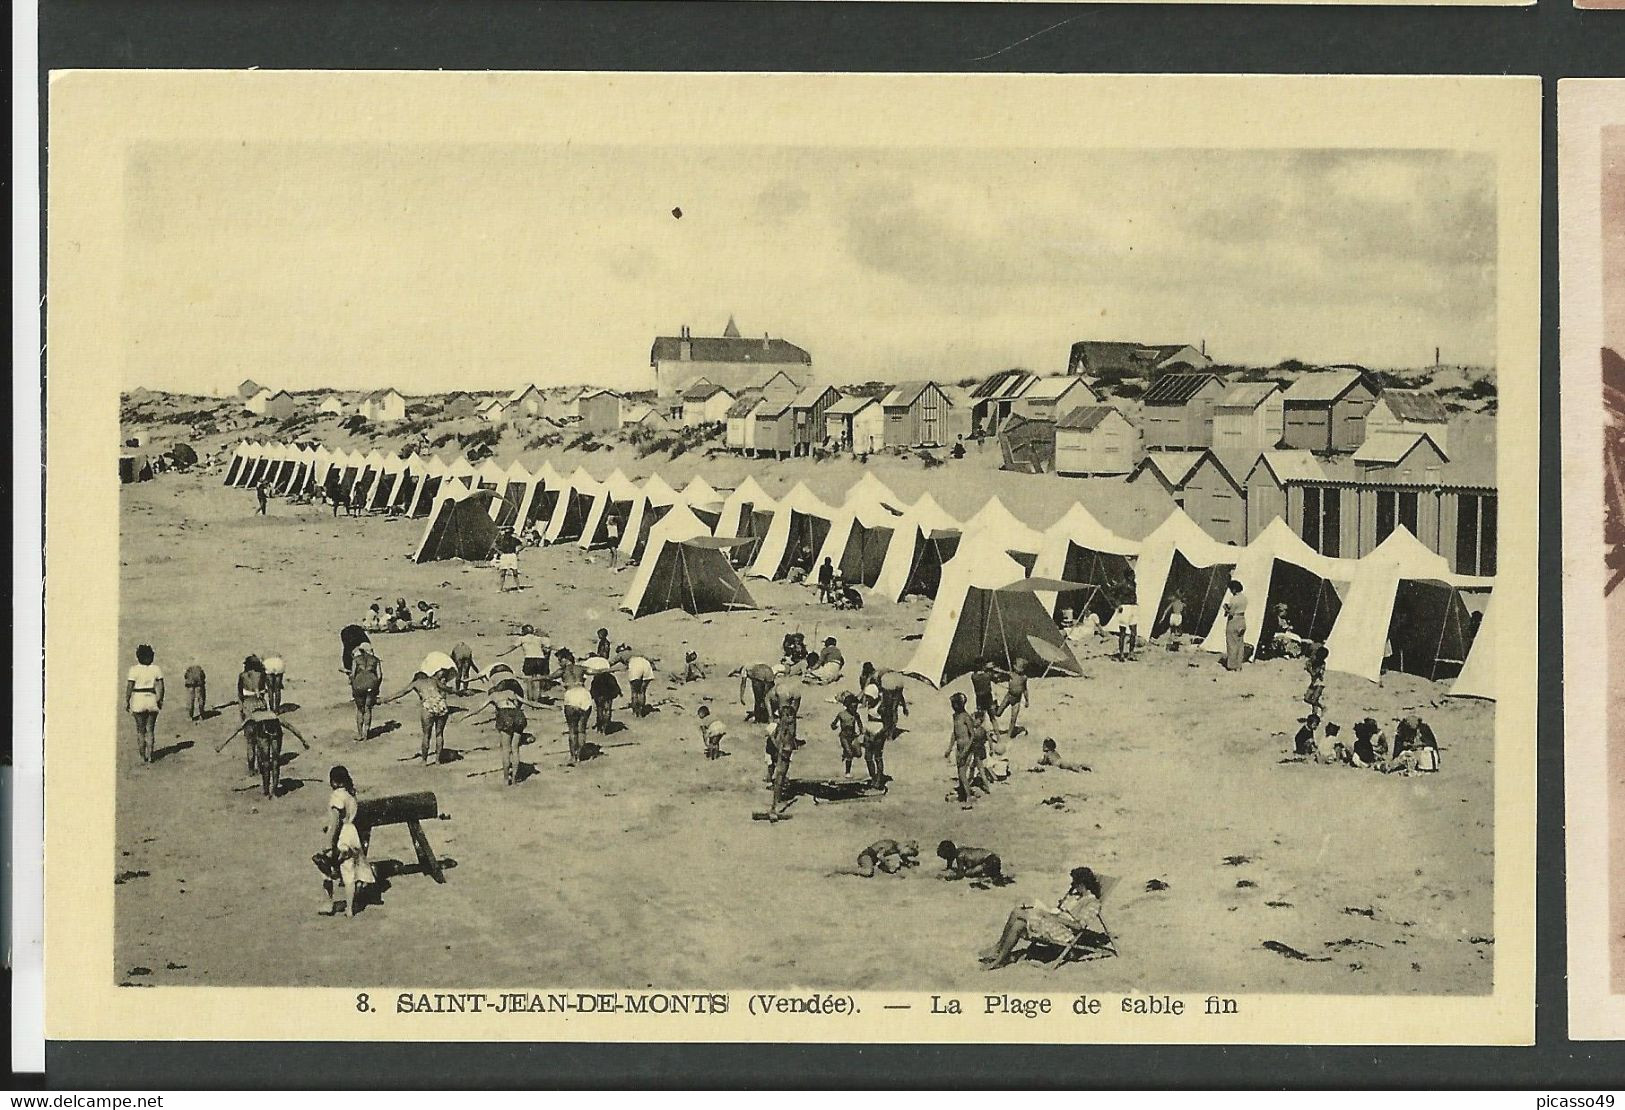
(998, 585)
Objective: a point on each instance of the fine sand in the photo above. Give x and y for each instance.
(643, 868)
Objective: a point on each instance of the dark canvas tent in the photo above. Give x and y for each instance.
(1104, 578)
(460, 527)
(1431, 630)
(757, 522)
(1312, 603)
(693, 575)
(238, 463)
(930, 553)
(1201, 588)
(426, 500)
(134, 468)
(865, 552)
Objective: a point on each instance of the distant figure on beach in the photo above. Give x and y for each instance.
(612, 531)
(366, 679)
(1416, 749)
(1314, 696)
(1052, 758)
(533, 654)
(826, 579)
(507, 700)
(601, 647)
(262, 731)
(251, 687)
(712, 732)
(1015, 696)
(144, 698)
(508, 571)
(197, 692)
(969, 863)
(605, 688)
(432, 691)
(263, 493)
(1128, 626)
(964, 747)
(1174, 614)
(577, 705)
(639, 673)
(889, 857)
(758, 678)
(848, 729)
(374, 620)
(1235, 628)
(428, 616)
(346, 857)
(275, 674)
(463, 656)
(981, 684)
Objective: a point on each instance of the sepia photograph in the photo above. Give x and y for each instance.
(616, 548)
(1592, 203)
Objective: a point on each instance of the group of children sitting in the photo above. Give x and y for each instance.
(1415, 750)
(399, 618)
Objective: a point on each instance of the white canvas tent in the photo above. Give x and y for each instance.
(515, 490)
(800, 526)
(685, 567)
(748, 513)
(1079, 548)
(1265, 569)
(926, 537)
(861, 532)
(654, 501)
(1179, 557)
(543, 494)
(985, 611)
(1477, 677)
(576, 497)
(239, 459)
(617, 495)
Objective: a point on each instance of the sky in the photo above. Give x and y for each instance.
(484, 266)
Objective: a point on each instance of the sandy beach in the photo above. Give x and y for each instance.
(642, 868)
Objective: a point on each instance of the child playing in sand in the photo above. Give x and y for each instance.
(1052, 758)
(1315, 695)
(848, 727)
(692, 671)
(712, 732)
(888, 856)
(1174, 614)
(429, 616)
(969, 863)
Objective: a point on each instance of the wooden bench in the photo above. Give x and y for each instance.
(410, 810)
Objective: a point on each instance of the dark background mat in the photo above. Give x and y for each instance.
(1551, 39)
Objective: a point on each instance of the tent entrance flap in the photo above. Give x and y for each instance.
(1201, 588)
(807, 536)
(1431, 630)
(618, 511)
(932, 551)
(865, 553)
(1312, 603)
(756, 523)
(652, 515)
(1000, 626)
(386, 488)
(541, 507)
(426, 500)
(576, 511)
(405, 490)
(1105, 577)
(508, 508)
(695, 577)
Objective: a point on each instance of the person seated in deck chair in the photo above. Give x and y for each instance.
(1416, 749)
(1075, 921)
(969, 863)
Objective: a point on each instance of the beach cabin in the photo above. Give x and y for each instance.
(993, 399)
(1095, 439)
(248, 388)
(1051, 398)
(600, 410)
(384, 406)
(1326, 411)
(1028, 446)
(527, 400)
(856, 424)
(807, 411)
(280, 405)
(1167, 469)
(1213, 497)
(1269, 484)
(255, 402)
(775, 428)
(1247, 419)
(333, 404)
(740, 434)
(1120, 360)
(1177, 410)
(705, 403)
(1410, 410)
(1409, 457)
(563, 405)
(494, 411)
(647, 417)
(923, 414)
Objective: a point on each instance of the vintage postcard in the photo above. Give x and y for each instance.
(1591, 200)
(791, 558)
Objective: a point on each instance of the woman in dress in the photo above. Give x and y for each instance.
(1075, 919)
(143, 698)
(344, 848)
(432, 689)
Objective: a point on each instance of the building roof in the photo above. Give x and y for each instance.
(776, 406)
(1101, 356)
(809, 397)
(1391, 447)
(1004, 384)
(1415, 407)
(703, 391)
(380, 394)
(590, 394)
(850, 404)
(493, 403)
(1292, 466)
(1050, 389)
(1467, 475)
(732, 330)
(1247, 395)
(1324, 386)
(1173, 466)
(1085, 418)
(745, 403)
(723, 348)
(1177, 389)
(905, 394)
(519, 394)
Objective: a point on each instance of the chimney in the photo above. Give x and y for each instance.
(765, 344)
(685, 349)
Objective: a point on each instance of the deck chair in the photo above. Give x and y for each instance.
(1077, 951)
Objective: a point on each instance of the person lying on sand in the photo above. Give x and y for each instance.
(1052, 758)
(888, 856)
(1075, 919)
(822, 671)
(969, 863)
